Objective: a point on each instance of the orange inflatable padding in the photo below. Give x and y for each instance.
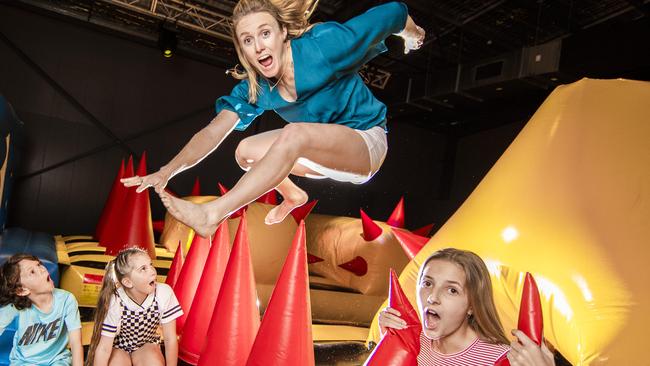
(336, 240)
(569, 202)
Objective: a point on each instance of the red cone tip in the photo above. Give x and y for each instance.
(196, 189)
(223, 190)
(424, 230)
(175, 268)
(299, 213)
(410, 242)
(397, 300)
(531, 321)
(370, 229)
(269, 197)
(142, 165)
(129, 168)
(358, 266)
(112, 208)
(311, 259)
(396, 219)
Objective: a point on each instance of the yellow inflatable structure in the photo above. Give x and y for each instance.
(569, 201)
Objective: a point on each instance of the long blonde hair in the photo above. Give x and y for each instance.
(116, 270)
(484, 319)
(292, 15)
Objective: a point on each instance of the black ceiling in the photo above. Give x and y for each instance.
(461, 34)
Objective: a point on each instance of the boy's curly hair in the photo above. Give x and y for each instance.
(10, 282)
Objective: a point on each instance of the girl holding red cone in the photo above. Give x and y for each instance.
(460, 324)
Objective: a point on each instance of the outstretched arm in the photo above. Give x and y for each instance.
(201, 145)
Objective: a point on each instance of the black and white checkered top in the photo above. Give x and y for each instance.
(132, 324)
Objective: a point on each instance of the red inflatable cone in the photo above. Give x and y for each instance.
(113, 203)
(299, 213)
(399, 347)
(135, 229)
(158, 226)
(223, 190)
(313, 259)
(269, 197)
(196, 189)
(196, 325)
(410, 242)
(424, 230)
(236, 317)
(370, 230)
(188, 279)
(531, 321)
(175, 268)
(109, 235)
(285, 335)
(396, 219)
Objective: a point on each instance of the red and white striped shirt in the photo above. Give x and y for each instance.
(479, 353)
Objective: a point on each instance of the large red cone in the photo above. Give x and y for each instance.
(531, 321)
(236, 317)
(113, 203)
(223, 190)
(299, 213)
(399, 347)
(188, 279)
(196, 324)
(370, 230)
(196, 189)
(135, 228)
(410, 242)
(109, 235)
(175, 268)
(285, 334)
(396, 219)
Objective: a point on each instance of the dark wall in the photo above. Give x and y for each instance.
(156, 104)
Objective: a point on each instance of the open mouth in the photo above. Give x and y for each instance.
(265, 61)
(49, 279)
(152, 283)
(431, 319)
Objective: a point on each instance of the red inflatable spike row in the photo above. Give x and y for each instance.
(424, 230)
(398, 347)
(410, 242)
(196, 326)
(371, 230)
(108, 234)
(135, 228)
(235, 319)
(269, 197)
(300, 213)
(223, 190)
(396, 218)
(531, 320)
(190, 276)
(285, 336)
(175, 268)
(113, 202)
(358, 266)
(196, 189)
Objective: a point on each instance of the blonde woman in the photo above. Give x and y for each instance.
(309, 76)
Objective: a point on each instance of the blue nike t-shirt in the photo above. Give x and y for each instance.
(42, 338)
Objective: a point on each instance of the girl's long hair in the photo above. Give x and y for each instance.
(10, 282)
(484, 319)
(292, 15)
(116, 270)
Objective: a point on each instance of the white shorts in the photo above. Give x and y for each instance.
(375, 139)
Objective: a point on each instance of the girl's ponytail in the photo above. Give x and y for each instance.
(108, 290)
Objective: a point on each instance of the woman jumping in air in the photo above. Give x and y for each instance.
(308, 74)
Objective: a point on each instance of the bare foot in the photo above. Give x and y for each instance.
(191, 214)
(297, 198)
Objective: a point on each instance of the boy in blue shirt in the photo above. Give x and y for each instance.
(48, 318)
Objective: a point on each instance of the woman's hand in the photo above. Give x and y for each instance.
(157, 180)
(413, 36)
(390, 318)
(525, 352)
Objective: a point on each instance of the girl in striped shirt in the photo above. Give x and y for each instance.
(460, 324)
(131, 307)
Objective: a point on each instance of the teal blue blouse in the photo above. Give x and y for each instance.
(326, 61)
